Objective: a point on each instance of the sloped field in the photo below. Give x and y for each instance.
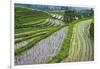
(82, 45)
(43, 37)
(36, 36)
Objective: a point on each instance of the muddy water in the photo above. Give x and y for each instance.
(44, 50)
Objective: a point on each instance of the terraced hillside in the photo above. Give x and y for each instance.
(81, 46)
(43, 37)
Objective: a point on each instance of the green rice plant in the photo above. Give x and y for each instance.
(24, 15)
(29, 37)
(25, 34)
(64, 52)
(29, 29)
(34, 22)
(32, 43)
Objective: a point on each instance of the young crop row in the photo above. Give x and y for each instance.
(32, 43)
(44, 50)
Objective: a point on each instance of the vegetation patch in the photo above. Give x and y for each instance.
(63, 53)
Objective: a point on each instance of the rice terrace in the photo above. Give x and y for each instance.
(45, 34)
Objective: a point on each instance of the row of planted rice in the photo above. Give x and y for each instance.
(81, 46)
(44, 50)
(35, 40)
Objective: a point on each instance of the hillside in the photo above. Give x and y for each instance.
(44, 37)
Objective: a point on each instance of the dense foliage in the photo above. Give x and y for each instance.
(71, 15)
